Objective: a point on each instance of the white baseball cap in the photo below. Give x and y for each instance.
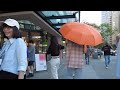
(12, 22)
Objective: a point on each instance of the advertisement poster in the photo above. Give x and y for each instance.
(40, 62)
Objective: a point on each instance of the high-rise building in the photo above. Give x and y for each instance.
(115, 24)
(107, 18)
(113, 19)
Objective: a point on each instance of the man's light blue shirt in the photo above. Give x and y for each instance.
(15, 56)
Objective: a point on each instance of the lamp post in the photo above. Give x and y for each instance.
(79, 15)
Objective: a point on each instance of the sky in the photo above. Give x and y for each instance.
(91, 17)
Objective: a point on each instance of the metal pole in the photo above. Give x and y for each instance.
(79, 15)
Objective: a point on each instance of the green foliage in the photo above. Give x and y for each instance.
(106, 30)
(93, 24)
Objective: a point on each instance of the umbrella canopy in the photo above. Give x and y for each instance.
(81, 33)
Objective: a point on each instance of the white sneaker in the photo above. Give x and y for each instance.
(106, 67)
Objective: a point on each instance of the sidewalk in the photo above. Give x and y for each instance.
(88, 73)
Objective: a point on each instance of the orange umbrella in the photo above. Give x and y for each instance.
(81, 33)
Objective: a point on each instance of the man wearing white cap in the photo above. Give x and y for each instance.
(13, 53)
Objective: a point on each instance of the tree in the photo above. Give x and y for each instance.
(106, 31)
(92, 24)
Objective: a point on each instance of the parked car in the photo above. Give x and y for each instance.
(113, 52)
(100, 52)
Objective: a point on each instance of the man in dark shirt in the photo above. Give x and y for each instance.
(106, 50)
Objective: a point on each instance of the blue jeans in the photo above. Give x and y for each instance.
(107, 60)
(74, 73)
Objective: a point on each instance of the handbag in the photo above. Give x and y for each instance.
(2, 52)
(48, 57)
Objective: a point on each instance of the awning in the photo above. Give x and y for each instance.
(57, 18)
(50, 21)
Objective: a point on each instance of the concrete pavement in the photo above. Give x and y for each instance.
(88, 72)
(99, 67)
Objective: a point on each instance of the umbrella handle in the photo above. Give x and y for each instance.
(85, 48)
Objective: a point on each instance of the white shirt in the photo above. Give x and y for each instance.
(15, 56)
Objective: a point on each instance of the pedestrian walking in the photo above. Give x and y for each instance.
(99, 53)
(13, 54)
(54, 50)
(87, 55)
(106, 48)
(118, 57)
(74, 60)
(31, 58)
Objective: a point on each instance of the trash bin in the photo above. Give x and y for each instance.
(95, 55)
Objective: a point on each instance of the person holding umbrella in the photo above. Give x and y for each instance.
(80, 35)
(74, 60)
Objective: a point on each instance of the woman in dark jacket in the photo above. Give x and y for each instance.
(54, 50)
